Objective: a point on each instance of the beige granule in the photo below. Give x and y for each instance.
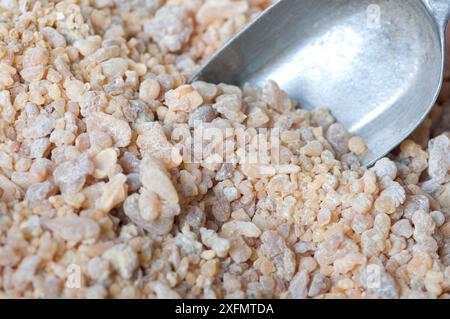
(356, 145)
(100, 170)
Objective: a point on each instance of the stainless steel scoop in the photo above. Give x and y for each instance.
(376, 64)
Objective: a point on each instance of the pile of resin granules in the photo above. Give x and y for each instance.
(98, 199)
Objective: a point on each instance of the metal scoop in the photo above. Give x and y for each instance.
(376, 64)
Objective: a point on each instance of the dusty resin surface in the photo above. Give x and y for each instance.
(108, 192)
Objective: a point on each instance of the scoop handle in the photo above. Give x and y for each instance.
(440, 10)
